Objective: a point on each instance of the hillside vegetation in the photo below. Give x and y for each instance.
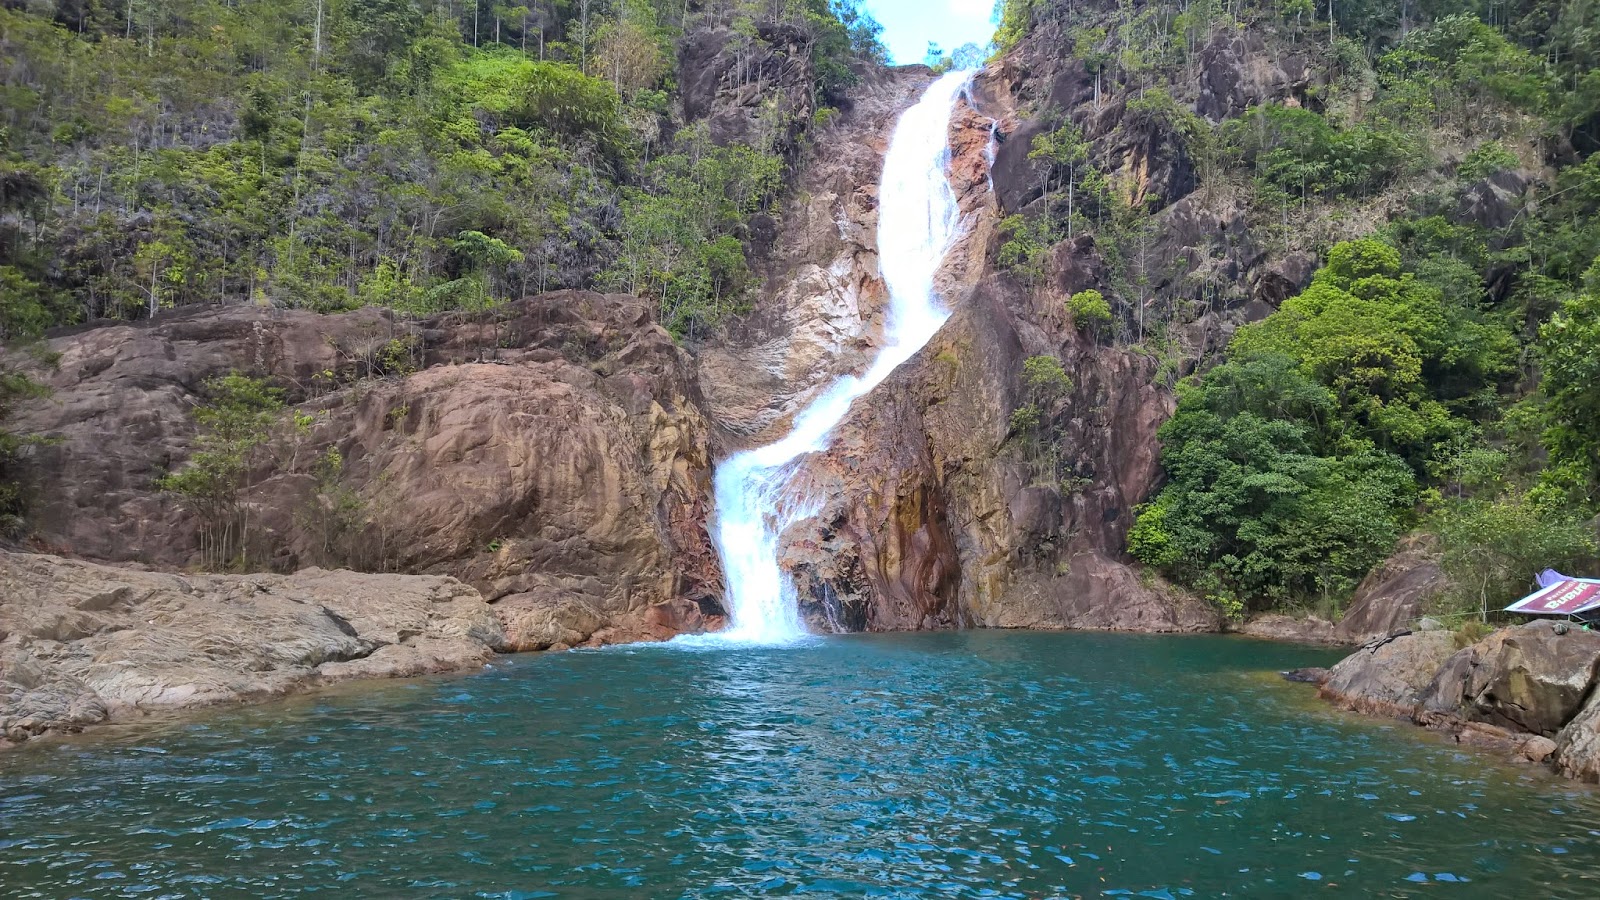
(421, 155)
(1434, 164)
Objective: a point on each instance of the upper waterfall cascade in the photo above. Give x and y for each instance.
(756, 498)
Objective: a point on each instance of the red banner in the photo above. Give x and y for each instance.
(1564, 598)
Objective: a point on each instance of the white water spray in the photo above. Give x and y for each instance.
(917, 222)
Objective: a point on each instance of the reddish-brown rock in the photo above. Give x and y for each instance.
(554, 449)
(1394, 593)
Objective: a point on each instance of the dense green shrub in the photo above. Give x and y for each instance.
(331, 154)
(1493, 547)
(1089, 310)
(1294, 466)
(1569, 357)
(1301, 152)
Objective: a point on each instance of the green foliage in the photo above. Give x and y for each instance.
(1013, 20)
(1044, 377)
(1089, 310)
(233, 422)
(1486, 159)
(680, 244)
(1444, 71)
(530, 94)
(1261, 507)
(1391, 350)
(334, 154)
(1025, 242)
(1297, 150)
(14, 498)
(25, 311)
(1492, 548)
(1569, 358)
(1288, 464)
(1045, 383)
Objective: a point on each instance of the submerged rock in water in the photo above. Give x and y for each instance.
(1314, 675)
(82, 643)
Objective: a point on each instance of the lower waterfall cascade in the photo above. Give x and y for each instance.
(756, 498)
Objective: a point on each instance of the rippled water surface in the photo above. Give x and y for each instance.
(951, 765)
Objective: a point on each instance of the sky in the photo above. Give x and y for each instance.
(908, 25)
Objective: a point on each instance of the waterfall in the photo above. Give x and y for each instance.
(756, 499)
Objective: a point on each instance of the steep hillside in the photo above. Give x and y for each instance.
(1363, 253)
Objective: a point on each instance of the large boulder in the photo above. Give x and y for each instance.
(81, 643)
(1389, 676)
(1577, 750)
(1533, 678)
(1394, 593)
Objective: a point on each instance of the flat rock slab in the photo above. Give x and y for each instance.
(82, 643)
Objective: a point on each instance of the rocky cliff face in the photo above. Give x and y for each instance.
(820, 311)
(556, 453)
(553, 453)
(937, 513)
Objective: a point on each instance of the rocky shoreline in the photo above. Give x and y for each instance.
(83, 644)
(1528, 691)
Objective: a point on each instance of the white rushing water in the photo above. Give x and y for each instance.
(756, 500)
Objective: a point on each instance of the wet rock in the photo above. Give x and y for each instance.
(1536, 749)
(1387, 677)
(82, 643)
(1314, 675)
(533, 622)
(821, 307)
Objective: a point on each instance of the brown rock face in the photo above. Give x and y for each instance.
(821, 310)
(554, 450)
(936, 513)
(933, 514)
(1388, 677)
(1528, 679)
(1393, 594)
(82, 643)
